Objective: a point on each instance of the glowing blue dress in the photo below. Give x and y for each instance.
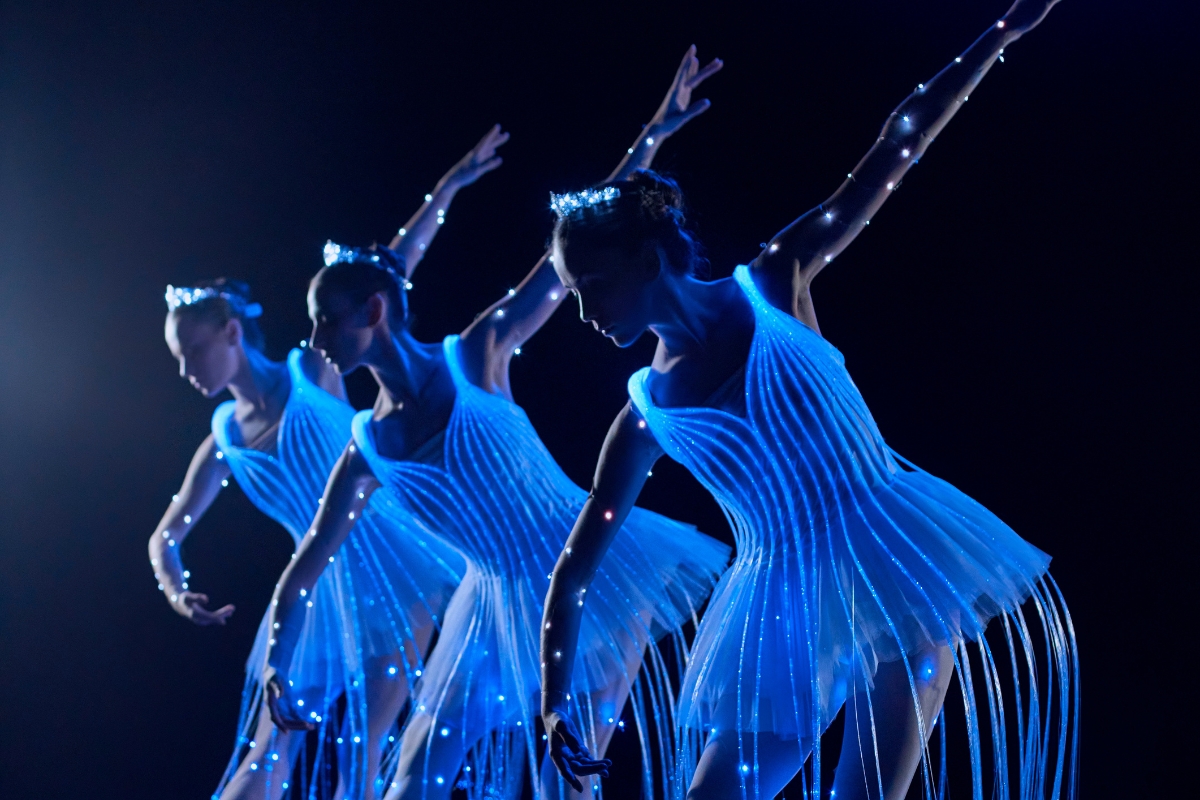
(388, 579)
(847, 555)
(493, 489)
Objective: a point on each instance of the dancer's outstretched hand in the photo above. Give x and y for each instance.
(677, 107)
(568, 753)
(192, 605)
(279, 706)
(479, 160)
(1025, 15)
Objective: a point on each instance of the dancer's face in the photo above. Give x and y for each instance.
(208, 354)
(614, 289)
(342, 330)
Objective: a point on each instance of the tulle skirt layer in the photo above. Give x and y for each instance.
(485, 670)
(888, 571)
(375, 608)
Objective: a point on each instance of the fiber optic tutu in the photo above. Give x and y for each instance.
(389, 580)
(491, 487)
(847, 555)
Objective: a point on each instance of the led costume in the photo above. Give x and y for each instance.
(492, 488)
(848, 555)
(388, 579)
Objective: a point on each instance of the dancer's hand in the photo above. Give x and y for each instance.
(192, 606)
(279, 706)
(479, 160)
(677, 107)
(1025, 15)
(568, 753)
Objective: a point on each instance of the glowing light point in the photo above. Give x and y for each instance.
(408, 287)
(441, 220)
(630, 151)
(641, 423)
(516, 351)
(220, 455)
(303, 592)
(958, 60)
(608, 515)
(650, 140)
(428, 198)
(828, 216)
(274, 756)
(499, 312)
(828, 259)
(174, 498)
(904, 152)
(331, 559)
(554, 295)
(417, 672)
(351, 516)
(391, 670)
(403, 232)
(1000, 24)
(225, 482)
(440, 780)
(357, 740)
(745, 768)
(253, 767)
(774, 246)
(362, 496)
(444, 731)
(511, 292)
(891, 186)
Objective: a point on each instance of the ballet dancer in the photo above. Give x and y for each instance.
(372, 617)
(859, 579)
(451, 448)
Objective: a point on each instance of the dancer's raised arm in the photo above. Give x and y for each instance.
(796, 254)
(205, 477)
(416, 235)
(347, 493)
(489, 343)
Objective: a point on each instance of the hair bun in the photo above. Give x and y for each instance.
(661, 197)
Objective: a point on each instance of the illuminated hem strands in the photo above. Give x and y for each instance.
(848, 556)
(387, 580)
(498, 495)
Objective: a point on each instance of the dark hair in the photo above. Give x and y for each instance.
(232, 302)
(360, 278)
(649, 209)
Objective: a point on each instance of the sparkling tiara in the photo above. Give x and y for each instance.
(177, 296)
(563, 204)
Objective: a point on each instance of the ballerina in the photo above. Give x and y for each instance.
(859, 579)
(373, 617)
(452, 449)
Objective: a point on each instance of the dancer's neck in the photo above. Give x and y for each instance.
(403, 366)
(258, 380)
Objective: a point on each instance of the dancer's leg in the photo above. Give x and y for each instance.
(424, 759)
(897, 736)
(725, 768)
(260, 776)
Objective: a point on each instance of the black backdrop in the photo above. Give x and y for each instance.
(1019, 316)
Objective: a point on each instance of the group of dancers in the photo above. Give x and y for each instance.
(459, 615)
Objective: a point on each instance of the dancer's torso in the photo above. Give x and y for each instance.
(486, 482)
(284, 468)
(783, 449)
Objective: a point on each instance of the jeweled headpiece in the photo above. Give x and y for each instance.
(385, 258)
(563, 204)
(177, 296)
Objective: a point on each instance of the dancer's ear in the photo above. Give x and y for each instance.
(650, 262)
(376, 309)
(233, 332)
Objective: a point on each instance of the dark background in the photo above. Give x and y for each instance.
(1019, 316)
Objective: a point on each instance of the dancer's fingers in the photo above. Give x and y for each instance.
(711, 69)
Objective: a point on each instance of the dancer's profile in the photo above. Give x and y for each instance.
(372, 617)
(860, 581)
(448, 446)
